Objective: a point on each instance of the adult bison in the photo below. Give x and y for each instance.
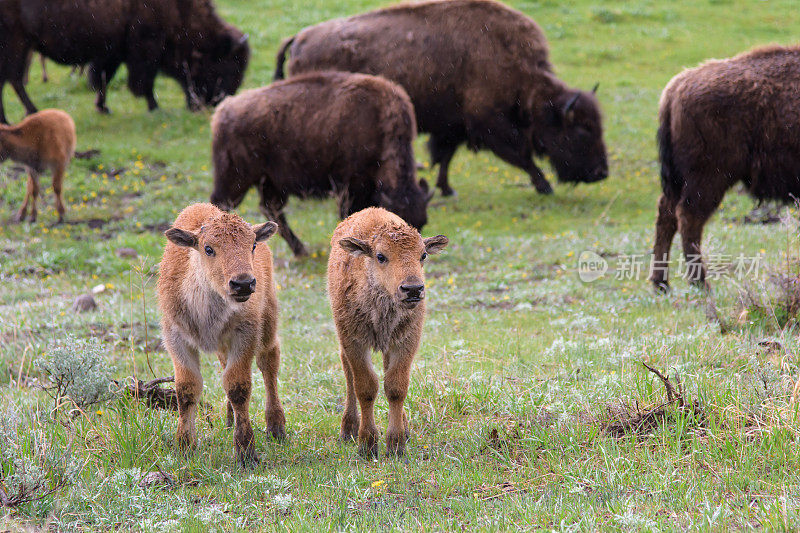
(314, 135)
(723, 122)
(185, 39)
(477, 72)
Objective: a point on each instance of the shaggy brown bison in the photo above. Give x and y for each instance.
(377, 289)
(317, 134)
(477, 72)
(216, 294)
(183, 38)
(42, 141)
(724, 122)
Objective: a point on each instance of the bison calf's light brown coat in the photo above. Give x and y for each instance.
(216, 294)
(376, 286)
(42, 141)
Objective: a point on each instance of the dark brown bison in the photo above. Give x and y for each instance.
(185, 39)
(317, 134)
(478, 72)
(724, 122)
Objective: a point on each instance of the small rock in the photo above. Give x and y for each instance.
(156, 479)
(126, 253)
(97, 289)
(84, 303)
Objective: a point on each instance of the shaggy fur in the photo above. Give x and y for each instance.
(724, 122)
(183, 38)
(376, 288)
(317, 134)
(477, 72)
(216, 294)
(42, 141)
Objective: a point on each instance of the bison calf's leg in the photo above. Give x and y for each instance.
(31, 196)
(350, 418)
(365, 384)
(395, 385)
(237, 383)
(666, 227)
(268, 361)
(188, 386)
(58, 180)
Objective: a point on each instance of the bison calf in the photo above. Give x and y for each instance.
(42, 141)
(727, 121)
(322, 133)
(377, 290)
(216, 294)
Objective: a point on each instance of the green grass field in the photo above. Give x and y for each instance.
(529, 380)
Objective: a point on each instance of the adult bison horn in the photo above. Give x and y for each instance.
(245, 37)
(594, 89)
(570, 103)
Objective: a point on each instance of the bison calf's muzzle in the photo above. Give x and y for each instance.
(242, 286)
(411, 293)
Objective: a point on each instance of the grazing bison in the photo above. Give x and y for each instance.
(724, 122)
(321, 133)
(477, 72)
(377, 289)
(42, 141)
(216, 294)
(183, 38)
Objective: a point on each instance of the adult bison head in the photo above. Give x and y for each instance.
(572, 137)
(215, 68)
(409, 203)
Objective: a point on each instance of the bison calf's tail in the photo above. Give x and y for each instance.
(280, 59)
(671, 180)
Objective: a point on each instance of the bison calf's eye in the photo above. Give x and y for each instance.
(209, 251)
(254, 247)
(381, 258)
(424, 256)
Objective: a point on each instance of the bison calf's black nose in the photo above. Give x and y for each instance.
(412, 291)
(243, 285)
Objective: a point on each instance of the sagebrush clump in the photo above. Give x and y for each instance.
(76, 370)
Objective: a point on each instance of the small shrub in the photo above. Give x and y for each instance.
(77, 371)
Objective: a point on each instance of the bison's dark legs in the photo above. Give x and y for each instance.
(100, 74)
(274, 212)
(442, 151)
(693, 211)
(142, 71)
(19, 88)
(511, 145)
(666, 227)
(3, 119)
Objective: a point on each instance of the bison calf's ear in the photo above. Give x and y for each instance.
(355, 246)
(182, 237)
(265, 231)
(434, 245)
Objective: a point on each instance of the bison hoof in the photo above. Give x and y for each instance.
(186, 443)
(447, 191)
(103, 110)
(396, 445)
(369, 448)
(660, 286)
(247, 457)
(544, 188)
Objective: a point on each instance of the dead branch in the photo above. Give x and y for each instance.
(672, 394)
(153, 394)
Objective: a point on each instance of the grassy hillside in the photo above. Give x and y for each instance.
(529, 405)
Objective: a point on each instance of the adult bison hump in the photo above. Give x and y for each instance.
(477, 71)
